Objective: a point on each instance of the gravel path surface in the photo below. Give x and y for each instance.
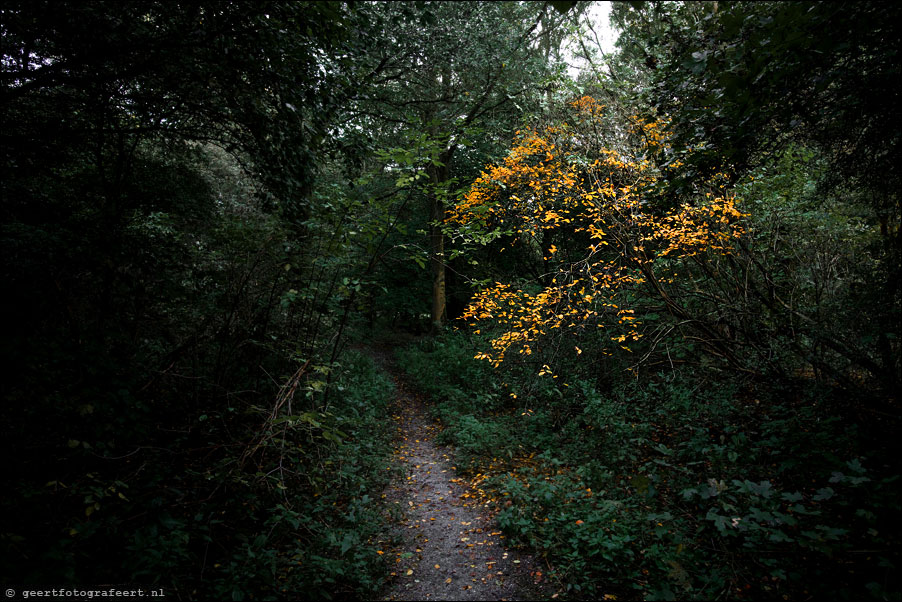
(451, 549)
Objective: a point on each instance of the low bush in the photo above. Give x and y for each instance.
(286, 509)
(677, 487)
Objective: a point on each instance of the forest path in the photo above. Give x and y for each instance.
(451, 548)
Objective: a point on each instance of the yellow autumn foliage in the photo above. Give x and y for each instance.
(552, 182)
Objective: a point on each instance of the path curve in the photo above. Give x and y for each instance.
(450, 547)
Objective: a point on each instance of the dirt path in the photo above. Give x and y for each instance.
(451, 549)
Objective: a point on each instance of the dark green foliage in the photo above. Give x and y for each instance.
(221, 508)
(743, 78)
(802, 96)
(683, 487)
(466, 392)
(101, 76)
(162, 284)
(201, 205)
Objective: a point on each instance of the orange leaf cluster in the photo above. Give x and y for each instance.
(554, 186)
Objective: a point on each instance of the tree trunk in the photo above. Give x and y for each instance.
(438, 177)
(437, 253)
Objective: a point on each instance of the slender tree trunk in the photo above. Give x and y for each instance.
(437, 253)
(438, 176)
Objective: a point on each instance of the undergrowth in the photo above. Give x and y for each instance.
(678, 487)
(285, 509)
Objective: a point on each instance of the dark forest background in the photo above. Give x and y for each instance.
(211, 210)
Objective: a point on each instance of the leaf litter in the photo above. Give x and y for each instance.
(446, 545)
